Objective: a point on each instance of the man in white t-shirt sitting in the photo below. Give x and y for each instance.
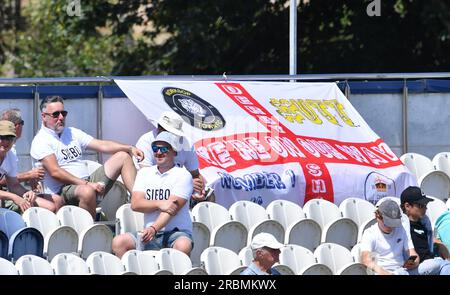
(17, 198)
(36, 173)
(385, 244)
(60, 150)
(161, 192)
(186, 156)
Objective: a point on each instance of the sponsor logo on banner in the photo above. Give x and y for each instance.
(378, 186)
(194, 110)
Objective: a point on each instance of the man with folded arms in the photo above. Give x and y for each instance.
(162, 193)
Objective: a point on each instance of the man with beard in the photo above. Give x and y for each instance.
(60, 150)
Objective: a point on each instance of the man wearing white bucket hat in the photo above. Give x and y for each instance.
(186, 156)
(161, 192)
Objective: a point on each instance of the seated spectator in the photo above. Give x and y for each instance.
(186, 156)
(17, 198)
(162, 193)
(60, 150)
(34, 175)
(414, 206)
(266, 252)
(384, 244)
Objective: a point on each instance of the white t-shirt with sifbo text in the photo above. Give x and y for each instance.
(156, 186)
(68, 149)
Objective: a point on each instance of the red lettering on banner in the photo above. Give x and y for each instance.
(274, 126)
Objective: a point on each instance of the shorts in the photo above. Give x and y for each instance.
(165, 239)
(68, 191)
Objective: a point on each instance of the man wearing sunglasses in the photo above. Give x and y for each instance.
(186, 156)
(385, 244)
(60, 151)
(414, 206)
(34, 175)
(17, 198)
(161, 192)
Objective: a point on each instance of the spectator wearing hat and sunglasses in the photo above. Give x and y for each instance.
(35, 174)
(161, 192)
(266, 252)
(186, 156)
(17, 198)
(418, 225)
(60, 151)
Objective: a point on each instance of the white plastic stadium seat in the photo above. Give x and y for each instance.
(435, 209)
(417, 164)
(441, 162)
(256, 220)
(302, 261)
(69, 264)
(395, 199)
(435, 183)
(57, 238)
(285, 212)
(358, 210)
(33, 265)
(221, 261)
(103, 263)
(7, 268)
(92, 237)
(142, 263)
(339, 260)
(177, 262)
(306, 233)
(201, 236)
(128, 220)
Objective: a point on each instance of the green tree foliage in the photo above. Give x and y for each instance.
(236, 37)
(52, 44)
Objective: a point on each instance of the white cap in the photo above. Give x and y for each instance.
(172, 122)
(170, 138)
(265, 240)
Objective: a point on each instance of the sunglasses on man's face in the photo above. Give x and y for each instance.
(56, 114)
(7, 137)
(161, 149)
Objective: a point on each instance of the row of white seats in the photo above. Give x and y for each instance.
(70, 230)
(433, 176)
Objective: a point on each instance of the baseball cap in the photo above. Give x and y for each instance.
(265, 240)
(172, 122)
(170, 138)
(7, 128)
(414, 194)
(390, 211)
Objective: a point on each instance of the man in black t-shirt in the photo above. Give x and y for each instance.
(414, 205)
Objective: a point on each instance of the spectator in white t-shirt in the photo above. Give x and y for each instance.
(385, 244)
(186, 156)
(60, 150)
(17, 198)
(161, 192)
(36, 173)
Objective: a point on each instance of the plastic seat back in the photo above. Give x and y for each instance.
(417, 164)
(220, 261)
(285, 212)
(7, 268)
(26, 241)
(129, 220)
(33, 265)
(41, 219)
(322, 211)
(103, 263)
(75, 217)
(248, 213)
(69, 264)
(4, 244)
(358, 210)
(435, 209)
(201, 236)
(435, 183)
(210, 214)
(10, 222)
